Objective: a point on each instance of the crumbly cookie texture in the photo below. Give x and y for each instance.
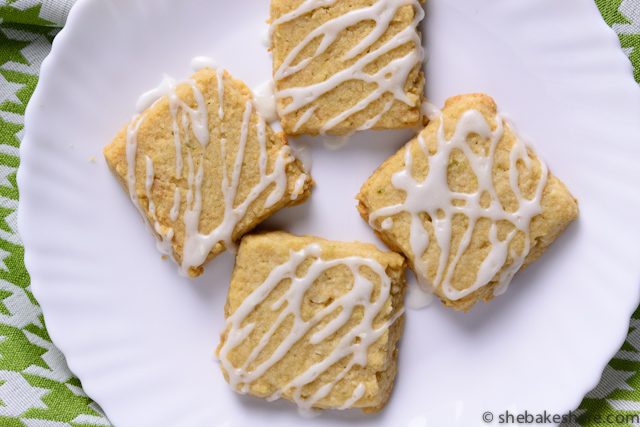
(204, 168)
(313, 321)
(345, 65)
(467, 202)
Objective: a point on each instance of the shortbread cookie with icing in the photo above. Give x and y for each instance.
(313, 321)
(467, 202)
(203, 167)
(345, 65)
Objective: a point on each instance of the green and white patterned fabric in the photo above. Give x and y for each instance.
(36, 387)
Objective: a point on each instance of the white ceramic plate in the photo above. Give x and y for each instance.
(141, 338)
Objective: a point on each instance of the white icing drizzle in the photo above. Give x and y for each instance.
(358, 392)
(148, 98)
(200, 62)
(335, 142)
(387, 224)
(434, 197)
(164, 243)
(302, 152)
(265, 101)
(148, 184)
(374, 120)
(188, 120)
(304, 118)
(131, 150)
(417, 298)
(165, 238)
(299, 185)
(429, 110)
(220, 80)
(354, 343)
(305, 7)
(175, 208)
(265, 39)
(389, 79)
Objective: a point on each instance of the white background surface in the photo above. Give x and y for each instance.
(141, 338)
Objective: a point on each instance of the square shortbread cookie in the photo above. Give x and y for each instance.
(345, 65)
(467, 202)
(203, 167)
(313, 321)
